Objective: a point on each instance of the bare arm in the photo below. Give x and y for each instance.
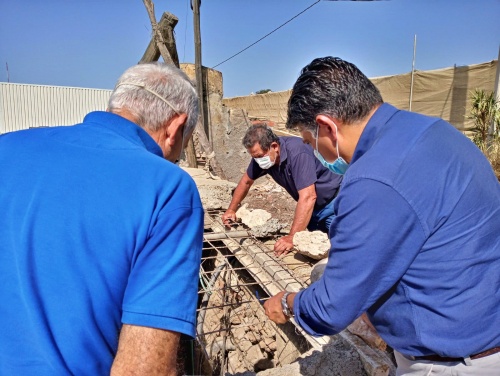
(146, 351)
(303, 213)
(240, 192)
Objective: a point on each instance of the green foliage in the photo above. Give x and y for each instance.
(485, 111)
(264, 91)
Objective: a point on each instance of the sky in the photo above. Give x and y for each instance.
(89, 43)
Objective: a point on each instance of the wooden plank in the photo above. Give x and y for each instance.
(165, 29)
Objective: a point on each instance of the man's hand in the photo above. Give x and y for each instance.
(229, 217)
(273, 309)
(283, 245)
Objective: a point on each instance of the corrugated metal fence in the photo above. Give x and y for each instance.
(24, 106)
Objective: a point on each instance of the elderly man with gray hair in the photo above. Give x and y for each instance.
(101, 235)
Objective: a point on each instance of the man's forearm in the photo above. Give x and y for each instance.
(303, 214)
(146, 351)
(240, 193)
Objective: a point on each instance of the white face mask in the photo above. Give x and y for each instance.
(265, 162)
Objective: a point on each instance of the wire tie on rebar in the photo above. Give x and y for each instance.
(205, 284)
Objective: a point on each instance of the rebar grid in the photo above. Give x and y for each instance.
(237, 275)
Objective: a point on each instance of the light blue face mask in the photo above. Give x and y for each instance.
(338, 166)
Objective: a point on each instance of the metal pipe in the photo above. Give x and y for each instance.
(227, 235)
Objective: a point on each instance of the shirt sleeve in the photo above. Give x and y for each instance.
(162, 290)
(375, 237)
(303, 167)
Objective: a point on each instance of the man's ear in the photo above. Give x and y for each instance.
(174, 128)
(327, 125)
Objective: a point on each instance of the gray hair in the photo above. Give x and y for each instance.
(155, 92)
(261, 134)
(333, 87)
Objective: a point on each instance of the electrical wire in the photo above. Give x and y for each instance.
(265, 36)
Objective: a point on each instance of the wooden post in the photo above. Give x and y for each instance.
(198, 65)
(166, 29)
(157, 35)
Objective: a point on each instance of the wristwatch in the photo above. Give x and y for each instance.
(284, 305)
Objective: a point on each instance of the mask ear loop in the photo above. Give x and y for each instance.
(336, 140)
(317, 137)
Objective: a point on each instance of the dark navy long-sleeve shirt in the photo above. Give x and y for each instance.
(415, 242)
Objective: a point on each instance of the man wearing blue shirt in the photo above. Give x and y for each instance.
(101, 235)
(416, 236)
(292, 165)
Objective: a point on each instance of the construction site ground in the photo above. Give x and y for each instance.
(235, 336)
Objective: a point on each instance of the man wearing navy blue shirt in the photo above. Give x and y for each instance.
(292, 165)
(415, 242)
(101, 235)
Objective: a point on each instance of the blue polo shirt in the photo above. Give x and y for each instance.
(97, 229)
(298, 169)
(415, 242)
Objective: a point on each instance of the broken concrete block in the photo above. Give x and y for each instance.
(233, 361)
(253, 218)
(245, 344)
(214, 194)
(315, 244)
(268, 344)
(254, 355)
(239, 332)
(272, 226)
(251, 337)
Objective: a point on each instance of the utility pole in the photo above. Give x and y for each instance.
(195, 5)
(8, 75)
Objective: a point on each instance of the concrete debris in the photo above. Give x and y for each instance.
(252, 217)
(259, 221)
(214, 194)
(337, 358)
(272, 226)
(315, 244)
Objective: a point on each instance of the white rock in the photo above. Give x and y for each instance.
(315, 244)
(253, 218)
